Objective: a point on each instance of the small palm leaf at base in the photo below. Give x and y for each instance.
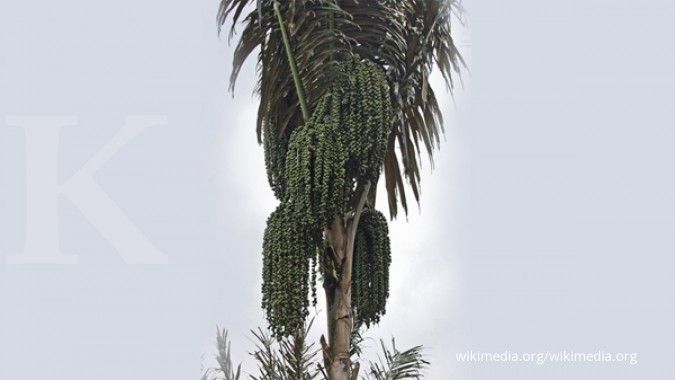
(292, 358)
(396, 365)
(225, 369)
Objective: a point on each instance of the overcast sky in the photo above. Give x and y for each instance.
(547, 224)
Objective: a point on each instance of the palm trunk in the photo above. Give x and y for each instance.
(338, 301)
(338, 288)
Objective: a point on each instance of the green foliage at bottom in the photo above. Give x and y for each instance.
(294, 358)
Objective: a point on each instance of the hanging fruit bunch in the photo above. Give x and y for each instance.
(314, 170)
(370, 273)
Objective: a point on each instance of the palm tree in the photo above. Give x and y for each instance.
(344, 98)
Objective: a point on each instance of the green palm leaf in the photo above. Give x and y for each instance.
(398, 365)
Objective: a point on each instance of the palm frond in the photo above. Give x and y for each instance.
(406, 38)
(398, 365)
(314, 29)
(269, 364)
(290, 358)
(225, 369)
(298, 357)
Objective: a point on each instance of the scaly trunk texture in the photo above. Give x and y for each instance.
(339, 303)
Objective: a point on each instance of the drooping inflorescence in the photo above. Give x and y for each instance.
(316, 175)
(289, 254)
(275, 147)
(314, 170)
(361, 105)
(370, 271)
